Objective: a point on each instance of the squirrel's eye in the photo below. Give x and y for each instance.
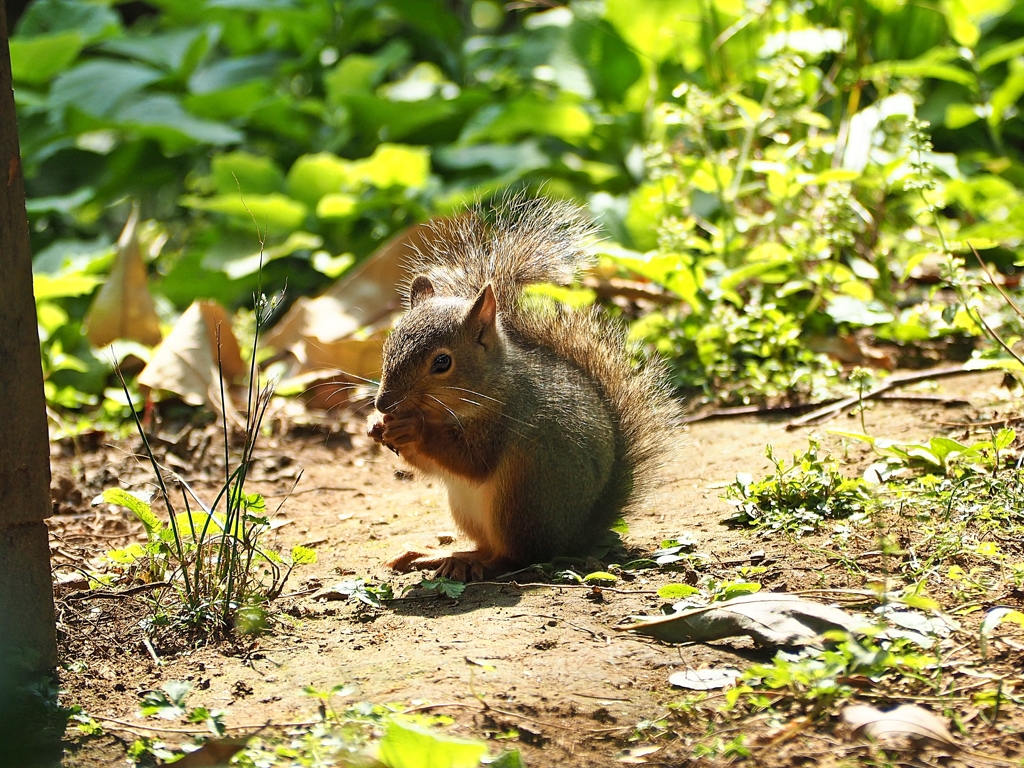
(441, 364)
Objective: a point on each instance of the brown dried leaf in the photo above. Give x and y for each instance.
(907, 721)
(341, 332)
(186, 362)
(123, 307)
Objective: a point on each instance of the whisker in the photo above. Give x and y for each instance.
(501, 414)
(476, 394)
(453, 414)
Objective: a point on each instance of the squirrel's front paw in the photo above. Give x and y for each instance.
(375, 426)
(379, 428)
(398, 432)
(414, 560)
(459, 566)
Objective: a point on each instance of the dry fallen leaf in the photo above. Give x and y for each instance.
(769, 618)
(907, 721)
(636, 755)
(123, 307)
(186, 362)
(705, 679)
(339, 334)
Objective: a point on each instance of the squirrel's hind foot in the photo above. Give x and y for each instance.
(458, 566)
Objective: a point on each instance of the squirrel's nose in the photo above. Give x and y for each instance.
(384, 400)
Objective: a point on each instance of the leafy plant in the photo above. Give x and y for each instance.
(335, 126)
(797, 498)
(942, 453)
(793, 191)
(214, 555)
(814, 679)
(443, 586)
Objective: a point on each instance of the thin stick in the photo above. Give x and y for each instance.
(152, 651)
(90, 594)
(896, 380)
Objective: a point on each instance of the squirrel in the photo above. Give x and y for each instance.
(536, 418)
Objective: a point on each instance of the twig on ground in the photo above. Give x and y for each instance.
(198, 730)
(152, 651)
(90, 594)
(896, 380)
(760, 410)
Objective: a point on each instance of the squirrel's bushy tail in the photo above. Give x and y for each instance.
(647, 416)
(519, 241)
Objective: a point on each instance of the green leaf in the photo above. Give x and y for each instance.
(177, 51)
(1002, 102)
(128, 555)
(1001, 53)
(66, 256)
(168, 702)
(758, 269)
(355, 74)
(510, 759)
(227, 73)
(161, 117)
(251, 264)
(501, 158)
(447, 587)
(395, 165)
(961, 115)
(96, 87)
(313, 176)
(847, 309)
(332, 266)
(35, 60)
(600, 577)
(275, 210)
(406, 745)
(139, 507)
(90, 20)
(241, 171)
(563, 118)
(337, 205)
(677, 591)
(1010, 364)
(660, 30)
(303, 555)
(733, 589)
(962, 26)
(925, 67)
(46, 287)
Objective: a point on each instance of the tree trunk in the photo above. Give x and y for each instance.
(28, 650)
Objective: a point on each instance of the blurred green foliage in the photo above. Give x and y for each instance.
(770, 163)
(793, 191)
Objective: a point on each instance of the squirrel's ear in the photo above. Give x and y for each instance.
(484, 315)
(420, 289)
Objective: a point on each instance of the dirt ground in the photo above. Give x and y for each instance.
(545, 660)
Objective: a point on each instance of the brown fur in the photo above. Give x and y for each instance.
(541, 425)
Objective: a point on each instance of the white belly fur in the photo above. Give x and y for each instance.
(471, 505)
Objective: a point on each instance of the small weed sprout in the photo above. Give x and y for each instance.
(862, 379)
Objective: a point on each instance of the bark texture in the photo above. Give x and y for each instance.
(28, 651)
